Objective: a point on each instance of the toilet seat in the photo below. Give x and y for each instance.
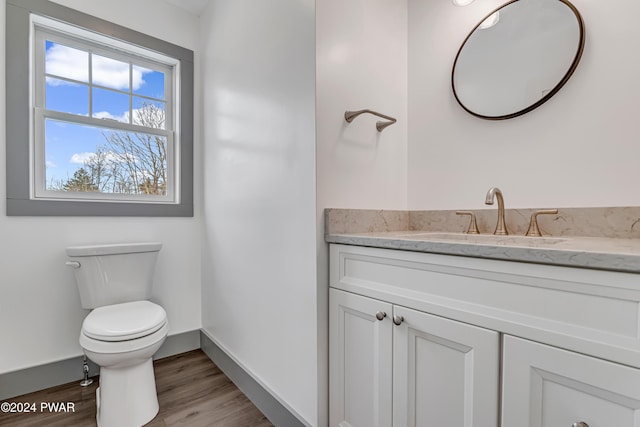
(124, 322)
(129, 346)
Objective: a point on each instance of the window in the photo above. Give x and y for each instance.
(110, 123)
(103, 118)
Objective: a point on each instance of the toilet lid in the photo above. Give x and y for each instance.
(126, 321)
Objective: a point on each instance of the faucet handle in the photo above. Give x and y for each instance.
(473, 226)
(534, 230)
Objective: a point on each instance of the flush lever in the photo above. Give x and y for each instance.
(74, 264)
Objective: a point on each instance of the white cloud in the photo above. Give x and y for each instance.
(81, 158)
(50, 164)
(138, 76)
(109, 157)
(124, 117)
(73, 64)
(111, 73)
(67, 62)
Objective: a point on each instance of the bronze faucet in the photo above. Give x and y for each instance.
(494, 192)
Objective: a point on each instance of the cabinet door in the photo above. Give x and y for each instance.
(545, 386)
(446, 373)
(359, 361)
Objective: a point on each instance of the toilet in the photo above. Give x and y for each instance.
(123, 330)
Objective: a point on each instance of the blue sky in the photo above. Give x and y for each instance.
(68, 145)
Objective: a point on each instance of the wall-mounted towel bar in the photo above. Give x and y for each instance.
(350, 115)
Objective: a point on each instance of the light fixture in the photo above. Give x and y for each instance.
(490, 21)
(462, 2)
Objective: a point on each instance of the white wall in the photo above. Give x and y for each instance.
(361, 64)
(259, 241)
(40, 309)
(579, 149)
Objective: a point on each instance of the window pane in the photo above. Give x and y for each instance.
(67, 147)
(89, 159)
(110, 105)
(148, 113)
(110, 73)
(148, 82)
(65, 61)
(62, 95)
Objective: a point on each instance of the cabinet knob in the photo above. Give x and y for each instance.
(580, 424)
(381, 315)
(399, 319)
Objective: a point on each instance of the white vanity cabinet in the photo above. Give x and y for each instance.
(569, 337)
(360, 358)
(545, 386)
(391, 365)
(445, 373)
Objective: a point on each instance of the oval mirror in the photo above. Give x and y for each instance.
(517, 58)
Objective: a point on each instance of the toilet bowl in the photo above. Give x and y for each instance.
(124, 329)
(122, 339)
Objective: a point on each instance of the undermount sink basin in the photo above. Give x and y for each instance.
(484, 238)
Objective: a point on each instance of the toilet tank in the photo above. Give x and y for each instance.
(112, 274)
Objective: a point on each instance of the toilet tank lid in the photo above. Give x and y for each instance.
(113, 249)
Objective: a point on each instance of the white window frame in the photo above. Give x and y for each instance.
(41, 29)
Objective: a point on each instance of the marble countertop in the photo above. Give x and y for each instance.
(617, 254)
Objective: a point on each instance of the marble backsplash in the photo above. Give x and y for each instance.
(611, 222)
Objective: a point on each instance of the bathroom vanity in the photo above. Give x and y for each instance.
(445, 329)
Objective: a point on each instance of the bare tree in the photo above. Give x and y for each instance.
(131, 162)
(100, 169)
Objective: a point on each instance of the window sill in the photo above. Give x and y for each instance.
(22, 207)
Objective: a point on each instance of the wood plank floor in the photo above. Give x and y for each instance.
(192, 391)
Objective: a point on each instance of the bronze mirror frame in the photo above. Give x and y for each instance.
(544, 98)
